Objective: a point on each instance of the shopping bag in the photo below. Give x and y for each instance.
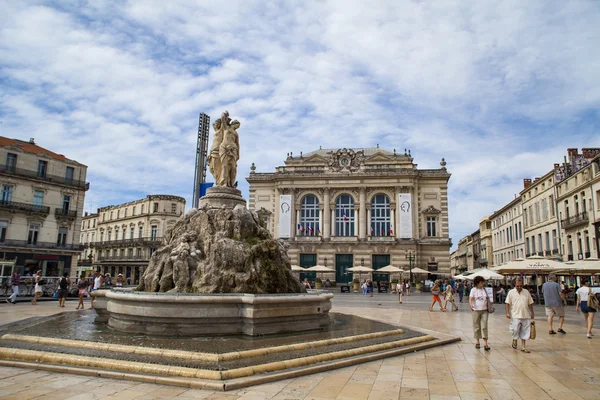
(532, 331)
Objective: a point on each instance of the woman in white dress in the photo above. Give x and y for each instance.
(38, 288)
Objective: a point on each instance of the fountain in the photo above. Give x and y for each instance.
(218, 270)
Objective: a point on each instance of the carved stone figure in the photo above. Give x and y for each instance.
(229, 151)
(214, 161)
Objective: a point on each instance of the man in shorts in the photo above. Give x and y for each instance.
(554, 301)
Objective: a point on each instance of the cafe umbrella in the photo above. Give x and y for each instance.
(360, 270)
(485, 274)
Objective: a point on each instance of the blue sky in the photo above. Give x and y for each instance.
(499, 89)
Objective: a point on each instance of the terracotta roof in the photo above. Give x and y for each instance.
(32, 148)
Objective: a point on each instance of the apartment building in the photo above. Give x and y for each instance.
(485, 242)
(539, 217)
(578, 203)
(41, 207)
(121, 239)
(507, 233)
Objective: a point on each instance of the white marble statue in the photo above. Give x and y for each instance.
(225, 151)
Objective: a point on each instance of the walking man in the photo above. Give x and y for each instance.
(15, 279)
(554, 300)
(519, 309)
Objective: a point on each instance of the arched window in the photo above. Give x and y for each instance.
(344, 215)
(309, 216)
(381, 220)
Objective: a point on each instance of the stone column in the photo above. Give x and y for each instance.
(369, 222)
(295, 215)
(326, 215)
(333, 222)
(362, 214)
(393, 219)
(320, 223)
(397, 215)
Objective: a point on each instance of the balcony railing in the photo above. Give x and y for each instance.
(86, 262)
(34, 174)
(144, 241)
(124, 258)
(24, 207)
(60, 212)
(575, 220)
(41, 245)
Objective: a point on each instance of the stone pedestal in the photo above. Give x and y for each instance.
(179, 314)
(219, 196)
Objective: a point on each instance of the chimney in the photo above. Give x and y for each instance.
(32, 140)
(526, 183)
(86, 213)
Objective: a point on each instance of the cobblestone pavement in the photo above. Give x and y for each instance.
(564, 367)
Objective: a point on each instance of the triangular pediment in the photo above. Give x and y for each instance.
(431, 210)
(315, 158)
(378, 157)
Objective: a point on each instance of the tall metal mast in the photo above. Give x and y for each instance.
(201, 155)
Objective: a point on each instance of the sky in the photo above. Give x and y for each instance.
(499, 89)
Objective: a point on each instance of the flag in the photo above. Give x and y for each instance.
(372, 231)
(302, 229)
(344, 215)
(299, 227)
(310, 229)
(391, 230)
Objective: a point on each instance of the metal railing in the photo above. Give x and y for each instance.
(128, 242)
(575, 220)
(25, 207)
(60, 212)
(34, 174)
(40, 245)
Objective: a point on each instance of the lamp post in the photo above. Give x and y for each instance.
(410, 257)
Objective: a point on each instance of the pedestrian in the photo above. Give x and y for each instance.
(120, 280)
(400, 291)
(15, 279)
(435, 292)
(450, 298)
(82, 289)
(584, 300)
(478, 300)
(370, 287)
(38, 287)
(519, 309)
(363, 286)
(306, 283)
(63, 289)
(99, 281)
(408, 288)
(461, 291)
(554, 300)
(107, 280)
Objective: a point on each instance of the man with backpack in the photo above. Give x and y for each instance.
(63, 289)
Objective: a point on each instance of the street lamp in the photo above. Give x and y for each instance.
(410, 257)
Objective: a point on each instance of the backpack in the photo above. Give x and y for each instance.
(64, 284)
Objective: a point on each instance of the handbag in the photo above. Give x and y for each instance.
(532, 333)
(490, 305)
(592, 300)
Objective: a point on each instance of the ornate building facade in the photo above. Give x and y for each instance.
(120, 239)
(352, 207)
(507, 233)
(41, 207)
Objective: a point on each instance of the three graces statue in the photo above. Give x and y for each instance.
(225, 151)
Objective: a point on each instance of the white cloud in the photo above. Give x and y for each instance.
(498, 89)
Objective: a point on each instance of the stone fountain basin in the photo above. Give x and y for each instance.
(182, 314)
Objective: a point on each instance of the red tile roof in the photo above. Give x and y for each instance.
(32, 148)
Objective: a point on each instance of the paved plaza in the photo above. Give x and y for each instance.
(559, 366)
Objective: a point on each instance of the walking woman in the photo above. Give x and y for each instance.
(450, 298)
(585, 301)
(38, 287)
(82, 289)
(478, 299)
(400, 291)
(435, 291)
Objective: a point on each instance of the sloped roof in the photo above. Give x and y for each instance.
(31, 148)
(369, 151)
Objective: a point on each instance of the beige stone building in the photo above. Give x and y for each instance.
(353, 207)
(486, 252)
(41, 207)
(578, 203)
(540, 220)
(120, 239)
(507, 233)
